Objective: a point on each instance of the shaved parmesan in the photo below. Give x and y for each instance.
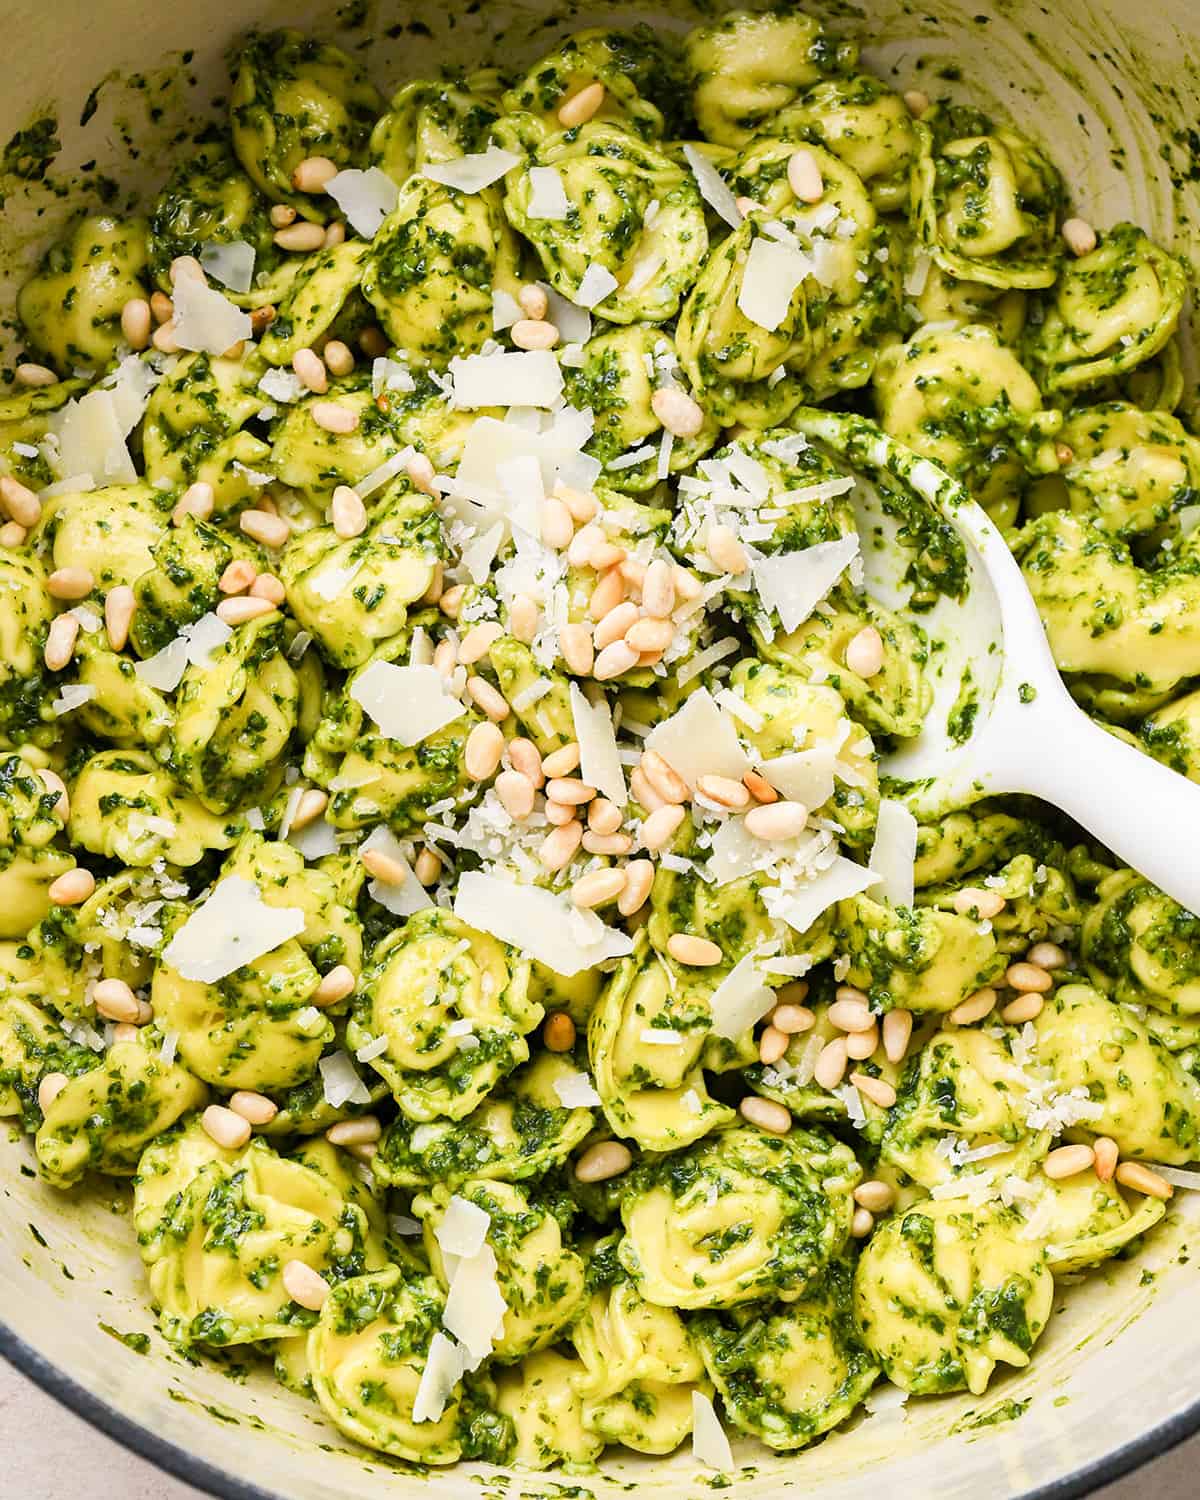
(164, 670)
(894, 852)
(700, 740)
(712, 186)
(284, 386)
(331, 583)
(599, 762)
(710, 1446)
(803, 776)
(537, 923)
(769, 280)
(740, 999)
(444, 1368)
(547, 196)
(478, 556)
(505, 310)
(794, 583)
(574, 324)
(530, 378)
(205, 320)
(91, 440)
(575, 1091)
(475, 1306)
(340, 1083)
(463, 1228)
(386, 471)
(407, 703)
(801, 908)
(366, 198)
(73, 696)
(315, 840)
(232, 928)
(471, 174)
(405, 897)
(596, 284)
(231, 263)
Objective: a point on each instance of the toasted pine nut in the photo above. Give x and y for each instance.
(598, 887)
(604, 816)
(335, 986)
(1068, 1161)
(726, 551)
(243, 608)
(115, 1001)
(974, 1007)
(830, 1066)
(261, 318)
(677, 411)
(792, 1019)
(12, 535)
(724, 791)
(136, 322)
(238, 576)
(314, 174)
(563, 761)
(225, 1127)
(526, 758)
(777, 820)
(696, 952)
(916, 101)
(643, 792)
(49, 1089)
(428, 867)
(1132, 1174)
(164, 339)
(581, 106)
(348, 513)
(864, 654)
(373, 342)
(162, 309)
(583, 507)
(421, 473)
(267, 586)
(558, 1034)
(607, 843)
(804, 177)
(1026, 976)
(451, 601)
(306, 1287)
(20, 501)
(488, 699)
(1047, 956)
(72, 888)
(383, 867)
(310, 370)
(1107, 1154)
(533, 333)
(478, 641)
(759, 787)
(1026, 1007)
(861, 1044)
(649, 635)
(606, 556)
(571, 790)
(580, 550)
(300, 236)
(356, 1132)
(189, 266)
(878, 1090)
(616, 623)
(313, 802)
(256, 1108)
(875, 1195)
(667, 782)
(262, 526)
(70, 583)
(31, 374)
(639, 877)
(604, 1160)
(862, 1222)
(897, 1031)
(978, 903)
(1080, 237)
(850, 1012)
(197, 500)
(658, 589)
(633, 572)
(772, 1045)
(281, 215)
(578, 649)
(533, 301)
(481, 757)
(558, 848)
(331, 416)
(60, 642)
(523, 616)
(614, 660)
(659, 828)
(339, 358)
(558, 813)
(607, 594)
(766, 1114)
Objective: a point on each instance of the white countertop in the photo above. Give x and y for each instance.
(49, 1454)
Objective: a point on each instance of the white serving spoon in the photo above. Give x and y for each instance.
(1028, 734)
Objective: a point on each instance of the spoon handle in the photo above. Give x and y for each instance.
(1147, 814)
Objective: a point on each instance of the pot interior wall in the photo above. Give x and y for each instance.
(1112, 90)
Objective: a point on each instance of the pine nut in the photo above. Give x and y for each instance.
(1026, 1007)
(70, 583)
(607, 843)
(533, 301)
(330, 416)
(659, 828)
(877, 1090)
(189, 266)
(639, 877)
(256, 1108)
(267, 586)
(916, 101)
(687, 585)
(485, 746)
(115, 1001)
(678, 413)
(759, 787)
(605, 556)
(830, 1066)
(1080, 237)
(557, 527)
(648, 636)
(1026, 976)
(570, 790)
(420, 473)
(766, 1114)
(726, 551)
(164, 339)
(563, 761)
(604, 816)
(53, 782)
(804, 177)
(1068, 1161)
(272, 531)
(12, 535)
(383, 867)
(598, 887)
(339, 358)
(633, 572)
(1107, 1154)
(724, 791)
(306, 1287)
(310, 370)
(558, 1034)
(487, 699)
(313, 802)
(581, 107)
(1064, 453)
(696, 952)
(558, 848)
(1132, 1174)
(558, 813)
(897, 1032)
(604, 1160)
(335, 234)
(874, 1195)
(613, 661)
(861, 1044)
(451, 601)
(314, 174)
(577, 648)
(669, 785)
(225, 1127)
(348, 513)
(862, 1222)
(981, 905)
(580, 550)
(49, 1089)
(31, 374)
(428, 867)
(72, 888)
(357, 1132)
(850, 1012)
(478, 641)
(527, 759)
(974, 1007)
(445, 657)
(197, 500)
(373, 342)
(162, 309)
(335, 986)
(242, 609)
(136, 322)
(1047, 956)
(261, 318)
(523, 614)
(300, 236)
(237, 577)
(792, 1019)
(615, 624)
(60, 642)
(533, 333)
(658, 589)
(643, 792)
(607, 594)
(864, 654)
(777, 820)
(772, 1045)
(20, 501)
(583, 507)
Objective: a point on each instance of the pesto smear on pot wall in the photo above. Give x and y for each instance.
(448, 869)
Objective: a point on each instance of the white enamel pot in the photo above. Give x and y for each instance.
(1116, 1379)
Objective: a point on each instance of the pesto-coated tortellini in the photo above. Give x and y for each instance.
(295, 97)
(32, 1045)
(431, 121)
(124, 709)
(216, 1228)
(788, 1374)
(738, 1216)
(747, 68)
(70, 308)
(965, 841)
(862, 121)
(541, 1398)
(125, 806)
(182, 585)
(1113, 309)
(29, 862)
(1130, 470)
(1172, 735)
(986, 201)
(101, 1120)
(624, 63)
(112, 531)
(314, 299)
(453, 1005)
(25, 613)
(1085, 1221)
(1142, 947)
(209, 201)
(630, 211)
(946, 1292)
